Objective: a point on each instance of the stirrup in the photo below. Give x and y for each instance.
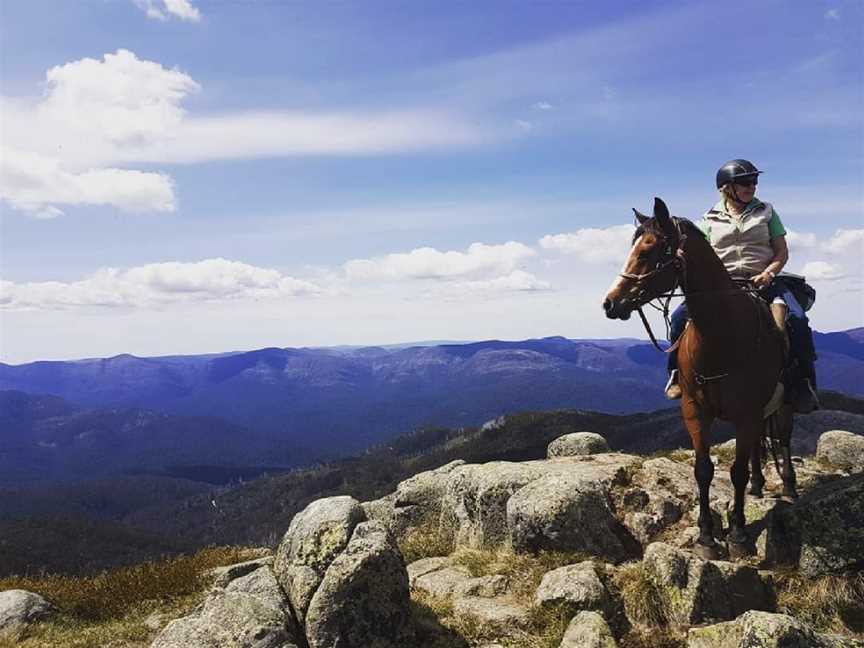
(673, 389)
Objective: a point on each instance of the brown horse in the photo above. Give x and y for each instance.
(730, 358)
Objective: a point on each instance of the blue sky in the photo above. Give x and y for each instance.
(182, 176)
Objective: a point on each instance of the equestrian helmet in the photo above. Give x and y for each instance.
(735, 169)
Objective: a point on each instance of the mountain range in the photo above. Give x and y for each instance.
(221, 416)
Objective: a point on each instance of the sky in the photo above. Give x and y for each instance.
(187, 176)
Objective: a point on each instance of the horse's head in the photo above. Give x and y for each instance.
(652, 266)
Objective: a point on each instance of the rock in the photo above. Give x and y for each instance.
(485, 586)
(693, 590)
(380, 509)
(568, 512)
(419, 498)
(443, 582)
(822, 532)
(756, 629)
(19, 609)
(316, 535)
(808, 429)
(577, 586)
(224, 575)
(363, 599)
(497, 616)
(841, 449)
(425, 566)
(577, 443)
(588, 630)
(250, 613)
(474, 506)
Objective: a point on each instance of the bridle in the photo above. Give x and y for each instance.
(672, 256)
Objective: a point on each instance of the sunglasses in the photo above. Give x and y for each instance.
(746, 182)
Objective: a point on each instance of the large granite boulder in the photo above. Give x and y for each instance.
(841, 449)
(19, 609)
(693, 590)
(419, 498)
(316, 535)
(588, 630)
(576, 444)
(474, 506)
(756, 629)
(823, 532)
(248, 612)
(578, 587)
(568, 512)
(363, 599)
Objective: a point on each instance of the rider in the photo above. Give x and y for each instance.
(749, 238)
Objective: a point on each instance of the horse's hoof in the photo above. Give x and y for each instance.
(756, 492)
(707, 551)
(789, 494)
(741, 549)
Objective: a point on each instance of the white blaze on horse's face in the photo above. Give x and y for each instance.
(625, 294)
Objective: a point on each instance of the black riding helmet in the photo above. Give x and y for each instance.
(735, 169)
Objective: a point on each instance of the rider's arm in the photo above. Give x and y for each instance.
(781, 252)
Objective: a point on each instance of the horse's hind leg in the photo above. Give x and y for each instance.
(699, 428)
(784, 434)
(757, 479)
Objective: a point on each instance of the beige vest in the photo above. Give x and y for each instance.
(744, 243)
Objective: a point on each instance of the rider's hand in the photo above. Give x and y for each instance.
(762, 279)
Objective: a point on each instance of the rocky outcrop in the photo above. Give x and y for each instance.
(578, 587)
(20, 609)
(588, 630)
(418, 498)
(756, 629)
(693, 590)
(842, 450)
(576, 444)
(363, 599)
(315, 537)
(248, 612)
(823, 532)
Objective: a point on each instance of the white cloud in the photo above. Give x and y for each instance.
(822, 271)
(33, 183)
(182, 9)
(99, 116)
(800, 240)
(851, 240)
(524, 126)
(832, 14)
(429, 263)
(157, 284)
(516, 281)
(542, 105)
(593, 245)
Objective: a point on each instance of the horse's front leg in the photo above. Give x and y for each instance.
(699, 427)
(746, 439)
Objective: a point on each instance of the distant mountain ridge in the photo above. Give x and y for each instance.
(335, 401)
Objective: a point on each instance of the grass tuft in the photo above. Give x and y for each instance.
(828, 603)
(640, 596)
(426, 540)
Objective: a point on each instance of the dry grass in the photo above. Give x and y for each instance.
(829, 603)
(110, 608)
(425, 541)
(680, 455)
(642, 601)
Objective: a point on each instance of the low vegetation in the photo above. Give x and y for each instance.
(110, 608)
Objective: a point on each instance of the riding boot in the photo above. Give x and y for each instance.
(803, 352)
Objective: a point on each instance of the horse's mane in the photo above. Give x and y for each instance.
(683, 225)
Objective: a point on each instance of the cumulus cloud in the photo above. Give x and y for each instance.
(822, 271)
(542, 105)
(182, 9)
(157, 284)
(593, 245)
(516, 281)
(429, 263)
(105, 115)
(843, 241)
(33, 183)
(800, 240)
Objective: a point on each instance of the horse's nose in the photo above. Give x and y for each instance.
(607, 305)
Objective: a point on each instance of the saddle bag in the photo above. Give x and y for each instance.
(804, 292)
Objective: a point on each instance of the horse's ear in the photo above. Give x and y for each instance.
(640, 216)
(661, 213)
